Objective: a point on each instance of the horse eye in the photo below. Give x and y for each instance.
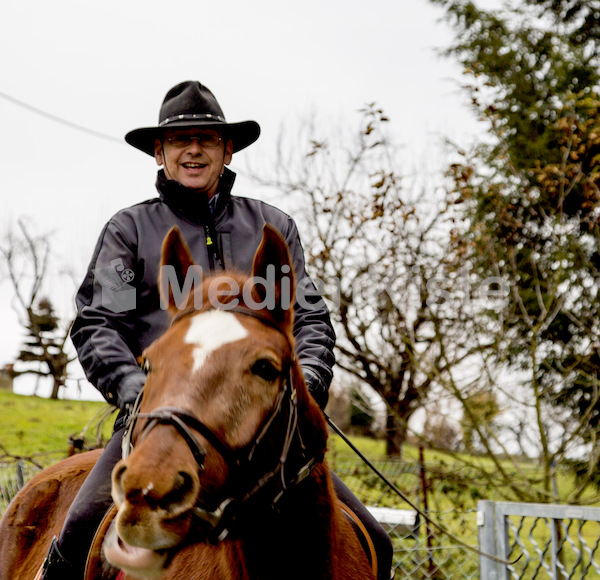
(265, 369)
(146, 366)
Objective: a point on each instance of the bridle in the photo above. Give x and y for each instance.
(227, 514)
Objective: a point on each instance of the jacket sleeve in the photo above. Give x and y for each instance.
(313, 332)
(103, 330)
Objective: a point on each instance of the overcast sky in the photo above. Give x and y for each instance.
(107, 65)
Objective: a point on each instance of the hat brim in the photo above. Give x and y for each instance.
(241, 134)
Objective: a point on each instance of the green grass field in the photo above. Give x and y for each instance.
(40, 428)
(37, 427)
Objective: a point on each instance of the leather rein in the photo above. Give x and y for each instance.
(221, 519)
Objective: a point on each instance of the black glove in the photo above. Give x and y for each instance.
(316, 386)
(128, 390)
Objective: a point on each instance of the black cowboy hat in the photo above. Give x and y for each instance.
(190, 104)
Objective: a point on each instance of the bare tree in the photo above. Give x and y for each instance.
(378, 250)
(25, 258)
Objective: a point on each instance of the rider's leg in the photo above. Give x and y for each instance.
(67, 555)
(381, 540)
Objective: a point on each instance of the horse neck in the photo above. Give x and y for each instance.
(298, 540)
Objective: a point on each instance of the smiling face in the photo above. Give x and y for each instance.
(194, 157)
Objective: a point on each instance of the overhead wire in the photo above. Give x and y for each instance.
(60, 120)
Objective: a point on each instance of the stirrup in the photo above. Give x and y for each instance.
(55, 566)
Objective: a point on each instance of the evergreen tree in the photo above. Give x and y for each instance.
(530, 196)
(44, 346)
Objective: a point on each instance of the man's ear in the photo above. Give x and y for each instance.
(158, 152)
(228, 152)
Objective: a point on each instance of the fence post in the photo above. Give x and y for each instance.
(430, 565)
(486, 523)
(20, 472)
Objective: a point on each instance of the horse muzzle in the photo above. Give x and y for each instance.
(135, 561)
(155, 500)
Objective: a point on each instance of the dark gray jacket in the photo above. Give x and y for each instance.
(108, 341)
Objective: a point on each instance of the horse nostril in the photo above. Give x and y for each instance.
(182, 495)
(118, 494)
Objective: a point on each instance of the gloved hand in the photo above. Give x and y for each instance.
(128, 390)
(316, 385)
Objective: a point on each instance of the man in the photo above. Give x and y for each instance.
(119, 311)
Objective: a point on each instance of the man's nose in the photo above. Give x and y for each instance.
(194, 146)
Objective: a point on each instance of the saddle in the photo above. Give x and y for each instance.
(95, 565)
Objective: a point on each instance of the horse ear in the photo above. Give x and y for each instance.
(273, 276)
(176, 259)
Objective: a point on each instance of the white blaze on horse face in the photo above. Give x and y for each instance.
(211, 330)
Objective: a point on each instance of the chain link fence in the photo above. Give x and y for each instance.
(421, 549)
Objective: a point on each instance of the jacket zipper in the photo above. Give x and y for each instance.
(214, 259)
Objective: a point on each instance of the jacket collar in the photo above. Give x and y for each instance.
(187, 203)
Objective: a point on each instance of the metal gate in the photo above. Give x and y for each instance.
(539, 541)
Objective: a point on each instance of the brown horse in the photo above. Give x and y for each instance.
(224, 474)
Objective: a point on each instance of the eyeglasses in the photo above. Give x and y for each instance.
(205, 140)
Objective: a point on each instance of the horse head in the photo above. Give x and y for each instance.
(225, 423)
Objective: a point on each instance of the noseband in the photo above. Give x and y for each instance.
(222, 518)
